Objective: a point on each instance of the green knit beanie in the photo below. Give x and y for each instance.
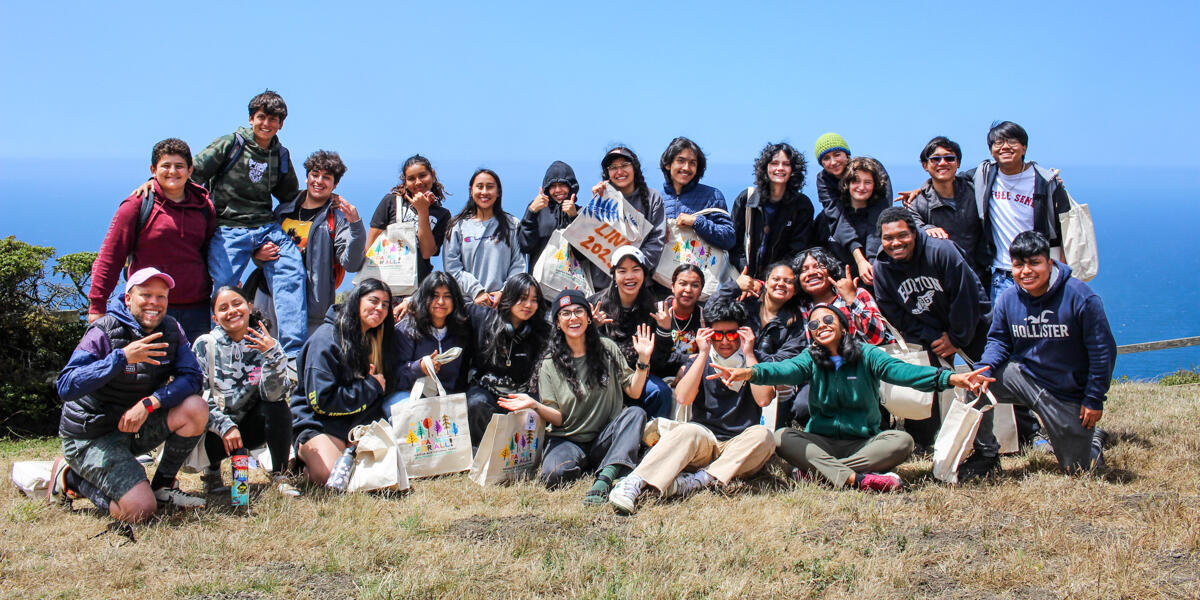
(828, 143)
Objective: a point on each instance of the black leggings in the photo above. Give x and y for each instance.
(269, 422)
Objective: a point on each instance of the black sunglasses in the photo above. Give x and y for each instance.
(827, 319)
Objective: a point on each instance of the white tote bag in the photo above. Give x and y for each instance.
(511, 448)
(1004, 426)
(900, 401)
(377, 463)
(686, 247)
(32, 476)
(432, 431)
(605, 224)
(956, 438)
(392, 259)
(558, 269)
(1079, 241)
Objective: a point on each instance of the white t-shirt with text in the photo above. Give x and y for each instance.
(1011, 211)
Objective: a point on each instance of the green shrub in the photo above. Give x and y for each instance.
(1181, 377)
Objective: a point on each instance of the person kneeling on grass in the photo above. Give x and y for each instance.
(249, 382)
(843, 441)
(341, 376)
(724, 438)
(583, 383)
(131, 384)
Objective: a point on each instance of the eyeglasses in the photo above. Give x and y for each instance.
(618, 166)
(1002, 143)
(826, 320)
(725, 335)
(942, 158)
(577, 313)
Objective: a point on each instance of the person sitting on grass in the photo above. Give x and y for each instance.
(843, 442)
(249, 382)
(437, 322)
(1051, 347)
(131, 384)
(583, 384)
(342, 382)
(509, 342)
(723, 439)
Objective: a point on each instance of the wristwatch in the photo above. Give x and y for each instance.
(642, 366)
(148, 402)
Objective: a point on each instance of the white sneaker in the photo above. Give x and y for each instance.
(284, 485)
(175, 497)
(624, 496)
(684, 485)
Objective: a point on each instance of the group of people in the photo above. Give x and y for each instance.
(967, 267)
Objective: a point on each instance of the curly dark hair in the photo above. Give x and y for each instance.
(865, 164)
(826, 259)
(848, 347)
(270, 103)
(416, 160)
(795, 182)
(564, 360)
(676, 146)
(639, 180)
(174, 146)
(499, 324)
(328, 161)
(726, 309)
(458, 323)
(355, 344)
(470, 210)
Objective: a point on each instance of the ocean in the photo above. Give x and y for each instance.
(1144, 218)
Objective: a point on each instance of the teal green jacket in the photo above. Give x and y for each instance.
(844, 403)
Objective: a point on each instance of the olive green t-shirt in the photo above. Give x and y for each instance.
(584, 418)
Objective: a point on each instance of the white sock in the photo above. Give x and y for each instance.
(704, 479)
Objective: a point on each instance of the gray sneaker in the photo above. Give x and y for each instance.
(684, 485)
(173, 496)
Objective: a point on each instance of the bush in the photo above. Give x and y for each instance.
(40, 324)
(1181, 377)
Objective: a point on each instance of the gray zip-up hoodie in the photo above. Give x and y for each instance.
(477, 260)
(346, 247)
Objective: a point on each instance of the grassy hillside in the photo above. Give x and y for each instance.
(1131, 532)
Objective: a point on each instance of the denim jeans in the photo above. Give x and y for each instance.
(194, 321)
(1001, 280)
(229, 256)
(657, 398)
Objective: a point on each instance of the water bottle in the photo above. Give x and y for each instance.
(339, 478)
(240, 490)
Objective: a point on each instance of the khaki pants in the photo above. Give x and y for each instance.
(837, 460)
(693, 446)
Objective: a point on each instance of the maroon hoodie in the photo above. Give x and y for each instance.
(174, 240)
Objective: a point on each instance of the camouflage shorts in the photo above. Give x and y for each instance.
(109, 462)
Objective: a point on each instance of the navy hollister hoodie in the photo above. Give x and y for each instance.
(1062, 339)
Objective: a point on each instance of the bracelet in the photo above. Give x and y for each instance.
(642, 366)
(149, 404)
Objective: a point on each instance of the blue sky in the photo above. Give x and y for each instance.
(543, 80)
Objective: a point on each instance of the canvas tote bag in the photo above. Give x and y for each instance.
(558, 269)
(1079, 241)
(392, 259)
(608, 222)
(377, 464)
(432, 431)
(1004, 419)
(900, 401)
(686, 247)
(511, 448)
(956, 438)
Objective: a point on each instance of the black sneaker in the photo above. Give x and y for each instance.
(978, 467)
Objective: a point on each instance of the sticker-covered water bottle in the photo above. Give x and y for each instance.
(240, 490)
(339, 478)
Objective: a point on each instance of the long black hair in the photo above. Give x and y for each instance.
(499, 325)
(502, 225)
(848, 347)
(458, 322)
(564, 360)
(610, 301)
(437, 188)
(639, 180)
(256, 317)
(795, 181)
(357, 346)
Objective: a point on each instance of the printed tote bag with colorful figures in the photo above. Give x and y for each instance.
(432, 432)
(392, 259)
(511, 448)
(608, 222)
(558, 269)
(684, 247)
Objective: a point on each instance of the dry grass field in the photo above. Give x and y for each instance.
(1132, 531)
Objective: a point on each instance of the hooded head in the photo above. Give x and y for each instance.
(560, 172)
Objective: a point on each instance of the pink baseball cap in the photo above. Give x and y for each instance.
(146, 274)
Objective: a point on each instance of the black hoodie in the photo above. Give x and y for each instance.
(536, 227)
(932, 292)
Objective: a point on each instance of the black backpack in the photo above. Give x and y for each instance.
(235, 152)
